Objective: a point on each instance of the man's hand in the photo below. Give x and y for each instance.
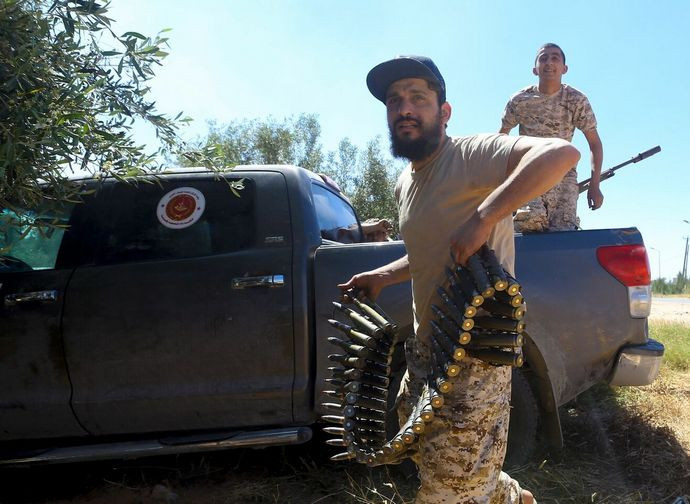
(468, 238)
(594, 197)
(370, 283)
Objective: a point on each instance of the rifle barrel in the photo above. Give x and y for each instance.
(584, 185)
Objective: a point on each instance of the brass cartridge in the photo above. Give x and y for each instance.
(455, 351)
(457, 315)
(365, 402)
(513, 300)
(467, 286)
(359, 337)
(498, 340)
(360, 351)
(366, 389)
(479, 275)
(444, 361)
(497, 356)
(503, 309)
(497, 275)
(500, 324)
(342, 456)
(360, 321)
(354, 411)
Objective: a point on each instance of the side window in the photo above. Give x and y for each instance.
(173, 220)
(337, 219)
(31, 239)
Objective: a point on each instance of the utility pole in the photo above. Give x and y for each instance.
(685, 260)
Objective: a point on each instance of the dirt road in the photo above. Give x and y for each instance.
(673, 309)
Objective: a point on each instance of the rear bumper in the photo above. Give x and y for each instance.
(638, 364)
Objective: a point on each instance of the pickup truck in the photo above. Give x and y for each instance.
(188, 312)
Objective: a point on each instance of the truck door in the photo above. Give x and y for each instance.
(184, 321)
(35, 391)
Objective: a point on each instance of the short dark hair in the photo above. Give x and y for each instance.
(440, 93)
(547, 46)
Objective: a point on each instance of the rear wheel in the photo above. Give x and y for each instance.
(524, 421)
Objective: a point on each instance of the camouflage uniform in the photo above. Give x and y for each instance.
(555, 115)
(464, 446)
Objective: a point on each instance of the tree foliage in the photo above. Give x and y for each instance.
(366, 176)
(678, 285)
(70, 91)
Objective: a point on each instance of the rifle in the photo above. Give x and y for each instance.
(584, 185)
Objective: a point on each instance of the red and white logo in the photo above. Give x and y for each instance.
(180, 208)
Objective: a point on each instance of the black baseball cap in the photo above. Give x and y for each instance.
(403, 67)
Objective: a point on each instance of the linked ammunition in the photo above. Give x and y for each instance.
(435, 398)
(442, 384)
(365, 402)
(334, 419)
(356, 411)
(336, 382)
(497, 357)
(467, 286)
(497, 274)
(449, 324)
(342, 456)
(426, 412)
(360, 321)
(362, 424)
(514, 300)
(459, 296)
(500, 324)
(360, 363)
(335, 407)
(334, 394)
(366, 389)
(360, 351)
(337, 442)
(497, 308)
(335, 431)
(444, 360)
(446, 342)
(478, 274)
(377, 380)
(498, 340)
(513, 286)
(359, 337)
(455, 313)
(376, 317)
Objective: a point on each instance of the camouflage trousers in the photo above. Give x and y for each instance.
(462, 450)
(555, 210)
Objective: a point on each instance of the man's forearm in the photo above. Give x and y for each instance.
(394, 272)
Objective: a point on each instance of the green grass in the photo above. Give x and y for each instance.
(676, 340)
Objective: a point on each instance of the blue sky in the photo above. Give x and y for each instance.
(253, 59)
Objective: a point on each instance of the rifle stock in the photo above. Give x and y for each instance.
(584, 185)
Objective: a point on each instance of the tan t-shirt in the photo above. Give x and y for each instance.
(435, 199)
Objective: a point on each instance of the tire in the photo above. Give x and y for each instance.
(524, 422)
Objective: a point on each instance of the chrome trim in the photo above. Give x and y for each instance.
(47, 296)
(258, 281)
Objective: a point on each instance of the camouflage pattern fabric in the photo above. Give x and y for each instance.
(462, 450)
(549, 116)
(555, 210)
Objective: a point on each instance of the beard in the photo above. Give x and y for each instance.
(420, 148)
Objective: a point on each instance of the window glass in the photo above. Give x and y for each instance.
(337, 219)
(173, 220)
(30, 239)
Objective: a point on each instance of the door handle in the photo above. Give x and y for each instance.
(258, 281)
(46, 296)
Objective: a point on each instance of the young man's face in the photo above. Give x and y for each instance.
(415, 120)
(549, 64)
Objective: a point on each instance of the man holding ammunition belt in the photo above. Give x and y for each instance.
(457, 193)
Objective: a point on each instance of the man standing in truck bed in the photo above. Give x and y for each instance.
(457, 193)
(553, 109)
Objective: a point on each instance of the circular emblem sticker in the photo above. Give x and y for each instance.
(180, 208)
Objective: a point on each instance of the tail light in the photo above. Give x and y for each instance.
(629, 264)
